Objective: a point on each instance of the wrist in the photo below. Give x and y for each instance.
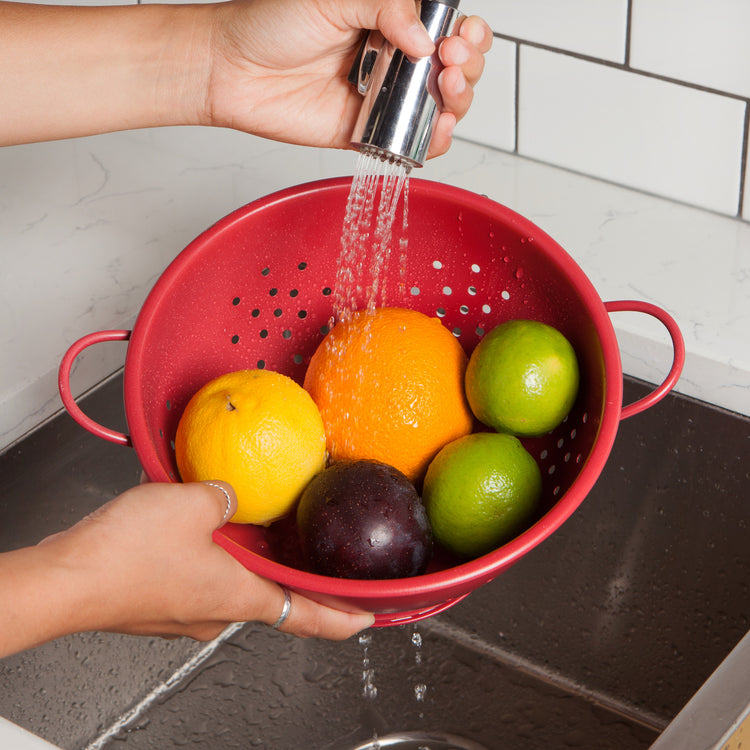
(176, 63)
(43, 597)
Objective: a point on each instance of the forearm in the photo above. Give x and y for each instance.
(40, 599)
(72, 71)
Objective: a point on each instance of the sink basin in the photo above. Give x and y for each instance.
(597, 638)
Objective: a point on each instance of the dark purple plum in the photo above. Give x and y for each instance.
(363, 519)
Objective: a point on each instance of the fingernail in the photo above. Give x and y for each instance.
(460, 53)
(421, 39)
(474, 33)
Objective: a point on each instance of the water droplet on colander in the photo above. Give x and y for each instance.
(519, 273)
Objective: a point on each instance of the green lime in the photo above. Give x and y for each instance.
(480, 491)
(522, 378)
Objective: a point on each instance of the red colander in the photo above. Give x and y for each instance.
(256, 290)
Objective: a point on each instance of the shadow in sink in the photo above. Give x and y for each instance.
(268, 690)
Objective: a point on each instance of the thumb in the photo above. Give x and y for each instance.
(225, 502)
(399, 23)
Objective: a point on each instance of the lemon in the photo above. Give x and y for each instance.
(258, 430)
(480, 491)
(522, 378)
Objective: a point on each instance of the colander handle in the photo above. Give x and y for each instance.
(63, 384)
(678, 346)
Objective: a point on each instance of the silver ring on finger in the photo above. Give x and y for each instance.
(287, 608)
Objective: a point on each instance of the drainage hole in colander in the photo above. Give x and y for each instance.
(236, 301)
(464, 310)
(261, 364)
(456, 332)
(327, 291)
(293, 292)
(169, 404)
(302, 266)
(302, 314)
(298, 359)
(287, 334)
(475, 268)
(235, 339)
(437, 264)
(414, 291)
(447, 291)
(255, 313)
(440, 312)
(273, 291)
(265, 271)
(480, 331)
(505, 294)
(486, 309)
(278, 312)
(472, 291)
(264, 334)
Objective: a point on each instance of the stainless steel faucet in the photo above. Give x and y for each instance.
(401, 97)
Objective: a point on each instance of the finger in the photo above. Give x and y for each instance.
(476, 31)
(455, 91)
(397, 20)
(308, 619)
(442, 134)
(457, 52)
(225, 500)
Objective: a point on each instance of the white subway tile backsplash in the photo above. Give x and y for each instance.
(634, 130)
(492, 117)
(706, 42)
(588, 27)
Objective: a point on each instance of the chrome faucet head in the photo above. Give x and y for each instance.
(401, 97)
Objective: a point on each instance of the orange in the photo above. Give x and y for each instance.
(481, 491)
(389, 386)
(522, 378)
(258, 430)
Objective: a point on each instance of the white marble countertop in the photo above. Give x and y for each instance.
(87, 226)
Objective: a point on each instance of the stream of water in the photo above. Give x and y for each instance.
(367, 234)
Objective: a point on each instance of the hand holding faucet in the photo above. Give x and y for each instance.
(274, 68)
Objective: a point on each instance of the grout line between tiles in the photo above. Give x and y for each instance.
(621, 66)
(743, 161)
(184, 671)
(628, 32)
(517, 97)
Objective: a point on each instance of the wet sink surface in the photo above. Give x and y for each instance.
(267, 690)
(595, 639)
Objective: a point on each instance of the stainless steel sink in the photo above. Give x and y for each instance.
(596, 639)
